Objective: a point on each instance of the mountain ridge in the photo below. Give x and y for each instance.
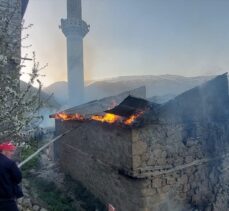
(157, 86)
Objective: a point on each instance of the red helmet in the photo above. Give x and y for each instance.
(7, 146)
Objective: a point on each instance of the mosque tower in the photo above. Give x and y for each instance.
(74, 28)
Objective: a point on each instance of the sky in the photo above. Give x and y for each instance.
(134, 37)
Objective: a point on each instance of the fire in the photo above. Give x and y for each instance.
(64, 116)
(132, 118)
(112, 118)
(108, 118)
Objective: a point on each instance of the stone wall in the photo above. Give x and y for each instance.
(102, 180)
(109, 144)
(10, 35)
(10, 24)
(184, 165)
(156, 167)
(97, 155)
(176, 159)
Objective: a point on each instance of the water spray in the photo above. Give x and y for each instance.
(43, 147)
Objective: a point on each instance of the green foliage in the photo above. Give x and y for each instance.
(75, 197)
(52, 196)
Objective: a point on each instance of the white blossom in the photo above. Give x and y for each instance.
(18, 108)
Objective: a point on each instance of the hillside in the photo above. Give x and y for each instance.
(46, 97)
(164, 86)
(59, 89)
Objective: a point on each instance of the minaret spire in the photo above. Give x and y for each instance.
(74, 10)
(74, 28)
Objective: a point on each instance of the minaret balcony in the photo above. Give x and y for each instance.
(72, 27)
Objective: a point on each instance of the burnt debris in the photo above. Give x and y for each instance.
(129, 106)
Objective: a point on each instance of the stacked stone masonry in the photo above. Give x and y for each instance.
(161, 165)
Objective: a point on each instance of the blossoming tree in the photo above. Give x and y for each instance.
(18, 107)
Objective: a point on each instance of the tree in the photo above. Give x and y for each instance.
(18, 108)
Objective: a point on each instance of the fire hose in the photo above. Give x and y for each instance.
(43, 147)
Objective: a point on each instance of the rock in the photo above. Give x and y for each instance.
(183, 179)
(26, 183)
(161, 161)
(149, 191)
(188, 159)
(191, 142)
(43, 209)
(25, 193)
(171, 180)
(19, 207)
(152, 161)
(139, 148)
(19, 201)
(26, 202)
(157, 183)
(164, 154)
(145, 157)
(36, 208)
(166, 188)
(137, 161)
(157, 153)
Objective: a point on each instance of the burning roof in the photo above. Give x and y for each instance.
(131, 105)
(99, 106)
(125, 113)
(207, 102)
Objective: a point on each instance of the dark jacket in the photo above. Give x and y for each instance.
(10, 177)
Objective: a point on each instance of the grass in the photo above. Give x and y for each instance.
(74, 198)
(52, 196)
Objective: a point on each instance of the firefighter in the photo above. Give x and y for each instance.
(10, 177)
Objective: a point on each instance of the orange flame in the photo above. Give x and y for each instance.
(64, 116)
(108, 118)
(132, 118)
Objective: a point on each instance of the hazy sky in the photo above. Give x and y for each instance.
(135, 37)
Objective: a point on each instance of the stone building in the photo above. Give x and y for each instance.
(11, 14)
(174, 157)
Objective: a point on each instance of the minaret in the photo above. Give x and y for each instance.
(74, 28)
